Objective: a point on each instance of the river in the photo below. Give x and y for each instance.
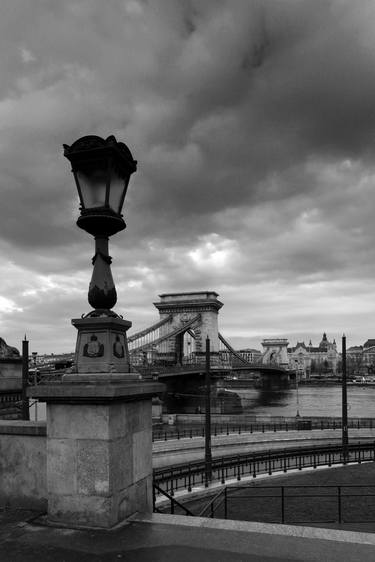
(312, 401)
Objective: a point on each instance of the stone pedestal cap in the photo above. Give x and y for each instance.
(96, 390)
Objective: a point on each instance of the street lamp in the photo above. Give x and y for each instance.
(102, 170)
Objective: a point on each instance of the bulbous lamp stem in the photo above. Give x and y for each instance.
(102, 292)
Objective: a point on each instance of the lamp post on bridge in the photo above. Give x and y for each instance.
(345, 439)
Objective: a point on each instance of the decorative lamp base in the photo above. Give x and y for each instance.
(102, 345)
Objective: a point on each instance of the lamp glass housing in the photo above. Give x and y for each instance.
(118, 187)
(93, 187)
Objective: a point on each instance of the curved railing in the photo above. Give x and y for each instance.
(189, 475)
(293, 424)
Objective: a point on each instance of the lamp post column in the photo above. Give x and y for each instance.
(208, 454)
(102, 291)
(345, 439)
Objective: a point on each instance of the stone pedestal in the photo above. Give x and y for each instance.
(101, 345)
(99, 449)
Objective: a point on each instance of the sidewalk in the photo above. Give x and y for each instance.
(165, 538)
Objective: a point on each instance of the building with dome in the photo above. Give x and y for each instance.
(308, 359)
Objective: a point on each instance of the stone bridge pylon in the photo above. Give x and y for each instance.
(189, 318)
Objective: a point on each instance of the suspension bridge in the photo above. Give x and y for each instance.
(175, 345)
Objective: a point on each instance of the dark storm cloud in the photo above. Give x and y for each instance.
(253, 125)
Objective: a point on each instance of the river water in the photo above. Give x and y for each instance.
(312, 401)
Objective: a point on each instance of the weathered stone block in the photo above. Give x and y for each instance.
(136, 498)
(94, 466)
(121, 451)
(142, 461)
(85, 511)
(70, 420)
(62, 466)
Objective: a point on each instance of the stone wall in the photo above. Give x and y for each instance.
(23, 462)
(10, 388)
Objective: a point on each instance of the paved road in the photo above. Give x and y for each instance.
(176, 451)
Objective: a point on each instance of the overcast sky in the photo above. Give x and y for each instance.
(253, 123)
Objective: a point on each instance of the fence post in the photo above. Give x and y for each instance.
(171, 490)
(225, 503)
(269, 463)
(238, 469)
(282, 505)
(189, 478)
(222, 472)
(339, 502)
(153, 496)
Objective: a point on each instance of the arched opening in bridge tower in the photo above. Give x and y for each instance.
(185, 347)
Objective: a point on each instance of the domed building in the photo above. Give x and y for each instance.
(309, 359)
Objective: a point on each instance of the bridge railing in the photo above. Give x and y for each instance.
(169, 433)
(188, 476)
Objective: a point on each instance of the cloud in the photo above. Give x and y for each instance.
(253, 126)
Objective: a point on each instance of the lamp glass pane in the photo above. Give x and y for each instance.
(116, 191)
(93, 186)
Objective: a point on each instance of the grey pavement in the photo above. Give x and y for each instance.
(167, 538)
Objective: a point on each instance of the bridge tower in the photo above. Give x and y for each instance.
(198, 312)
(275, 352)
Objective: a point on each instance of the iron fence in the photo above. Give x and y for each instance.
(190, 475)
(294, 504)
(165, 434)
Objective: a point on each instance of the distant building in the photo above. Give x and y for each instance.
(369, 355)
(308, 359)
(251, 355)
(360, 359)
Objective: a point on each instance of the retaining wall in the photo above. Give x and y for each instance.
(23, 464)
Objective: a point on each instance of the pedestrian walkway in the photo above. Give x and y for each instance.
(166, 538)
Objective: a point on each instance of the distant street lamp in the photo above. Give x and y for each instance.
(345, 438)
(34, 354)
(102, 170)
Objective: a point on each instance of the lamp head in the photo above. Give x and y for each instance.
(101, 169)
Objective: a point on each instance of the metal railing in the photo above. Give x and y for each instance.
(294, 504)
(174, 504)
(234, 428)
(190, 475)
